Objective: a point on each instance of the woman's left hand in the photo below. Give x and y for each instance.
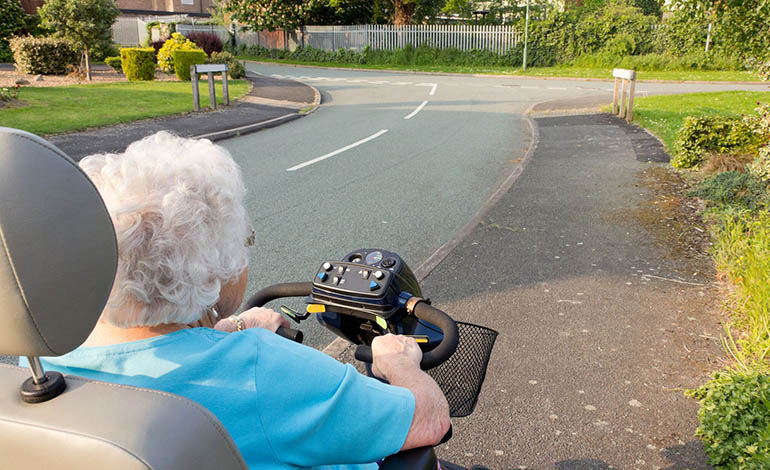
(256, 317)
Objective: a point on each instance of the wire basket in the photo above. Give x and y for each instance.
(461, 377)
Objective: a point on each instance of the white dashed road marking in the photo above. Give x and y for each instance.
(338, 151)
(413, 113)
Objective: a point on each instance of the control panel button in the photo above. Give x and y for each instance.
(336, 280)
(323, 276)
(341, 269)
(365, 274)
(373, 286)
(379, 275)
(388, 263)
(327, 266)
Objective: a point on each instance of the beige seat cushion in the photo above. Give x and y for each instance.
(97, 425)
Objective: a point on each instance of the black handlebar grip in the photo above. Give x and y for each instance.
(440, 353)
(290, 333)
(276, 291)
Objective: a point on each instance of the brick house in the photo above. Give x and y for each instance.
(129, 8)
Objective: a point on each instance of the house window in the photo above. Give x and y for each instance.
(188, 2)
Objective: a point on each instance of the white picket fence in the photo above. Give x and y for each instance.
(498, 39)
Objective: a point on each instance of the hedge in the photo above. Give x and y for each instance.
(183, 59)
(115, 62)
(138, 63)
(46, 55)
(235, 67)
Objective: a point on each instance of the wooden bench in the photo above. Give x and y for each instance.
(628, 79)
(209, 69)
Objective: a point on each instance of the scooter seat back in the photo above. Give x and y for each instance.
(58, 257)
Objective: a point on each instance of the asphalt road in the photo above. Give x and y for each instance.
(408, 159)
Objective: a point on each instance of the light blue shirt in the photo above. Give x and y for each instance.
(286, 406)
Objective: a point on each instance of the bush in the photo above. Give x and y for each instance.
(704, 134)
(43, 55)
(209, 42)
(137, 63)
(115, 62)
(166, 53)
(235, 67)
(183, 59)
(735, 420)
(732, 188)
(760, 167)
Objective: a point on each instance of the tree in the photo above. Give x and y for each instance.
(11, 21)
(268, 15)
(84, 22)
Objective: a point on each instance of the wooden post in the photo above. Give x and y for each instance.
(615, 96)
(196, 94)
(630, 112)
(225, 89)
(213, 91)
(622, 112)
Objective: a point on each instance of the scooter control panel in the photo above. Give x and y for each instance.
(352, 279)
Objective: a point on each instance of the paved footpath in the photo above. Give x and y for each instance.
(600, 328)
(270, 102)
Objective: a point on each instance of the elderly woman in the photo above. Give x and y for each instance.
(177, 207)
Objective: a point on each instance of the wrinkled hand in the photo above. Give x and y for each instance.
(393, 352)
(256, 317)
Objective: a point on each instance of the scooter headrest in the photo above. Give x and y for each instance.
(58, 252)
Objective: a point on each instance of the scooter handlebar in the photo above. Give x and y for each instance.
(276, 291)
(437, 355)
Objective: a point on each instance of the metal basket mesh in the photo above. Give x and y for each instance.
(461, 377)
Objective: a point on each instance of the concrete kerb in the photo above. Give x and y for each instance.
(257, 126)
(339, 345)
(489, 75)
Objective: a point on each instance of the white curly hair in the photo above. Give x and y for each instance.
(177, 207)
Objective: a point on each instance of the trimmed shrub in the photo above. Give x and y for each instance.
(43, 55)
(209, 42)
(137, 63)
(235, 67)
(704, 134)
(115, 62)
(166, 53)
(183, 59)
(732, 188)
(735, 420)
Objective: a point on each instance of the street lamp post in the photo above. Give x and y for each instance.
(526, 31)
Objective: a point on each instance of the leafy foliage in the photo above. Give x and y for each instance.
(235, 67)
(11, 21)
(166, 53)
(209, 42)
(735, 420)
(183, 59)
(115, 63)
(86, 23)
(268, 15)
(739, 26)
(43, 55)
(704, 134)
(138, 63)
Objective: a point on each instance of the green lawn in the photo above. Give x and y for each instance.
(53, 110)
(665, 114)
(558, 71)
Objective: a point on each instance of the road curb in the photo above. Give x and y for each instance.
(489, 75)
(258, 126)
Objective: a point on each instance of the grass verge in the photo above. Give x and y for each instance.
(54, 110)
(664, 115)
(557, 71)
